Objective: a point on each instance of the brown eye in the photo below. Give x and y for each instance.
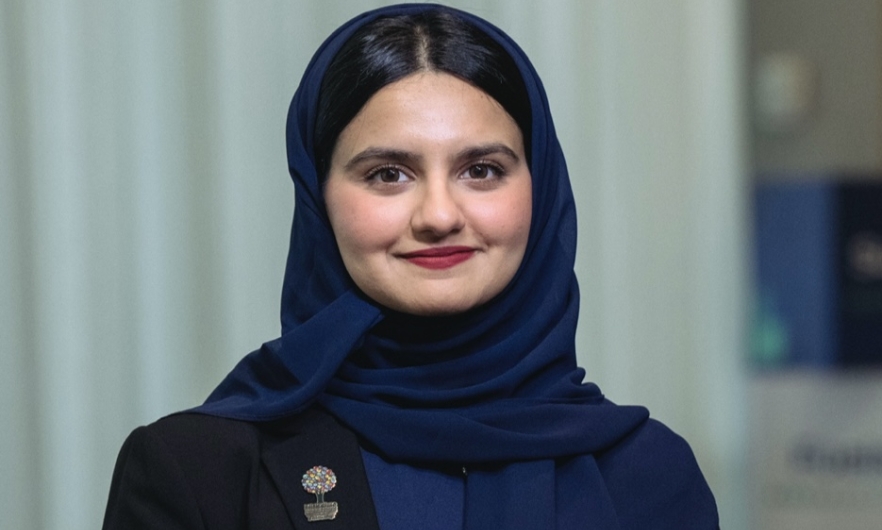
(484, 171)
(479, 171)
(388, 175)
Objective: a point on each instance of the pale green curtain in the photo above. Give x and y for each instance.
(145, 208)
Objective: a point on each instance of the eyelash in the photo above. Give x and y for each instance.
(496, 169)
(374, 174)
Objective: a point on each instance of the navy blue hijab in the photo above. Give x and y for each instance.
(496, 388)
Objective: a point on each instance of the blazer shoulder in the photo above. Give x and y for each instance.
(654, 479)
(192, 471)
(203, 435)
(652, 447)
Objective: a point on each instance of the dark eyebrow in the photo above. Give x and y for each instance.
(393, 155)
(406, 157)
(481, 151)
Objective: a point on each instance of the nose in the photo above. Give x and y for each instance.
(438, 212)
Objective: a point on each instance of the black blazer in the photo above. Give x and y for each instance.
(191, 471)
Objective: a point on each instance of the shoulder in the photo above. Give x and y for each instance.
(192, 471)
(204, 437)
(192, 441)
(652, 475)
(164, 469)
(210, 449)
(651, 448)
(199, 436)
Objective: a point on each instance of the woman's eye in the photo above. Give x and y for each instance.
(483, 171)
(388, 175)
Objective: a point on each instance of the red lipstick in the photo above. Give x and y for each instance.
(439, 257)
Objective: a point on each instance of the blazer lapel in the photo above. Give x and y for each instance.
(321, 441)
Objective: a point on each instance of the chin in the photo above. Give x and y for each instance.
(432, 308)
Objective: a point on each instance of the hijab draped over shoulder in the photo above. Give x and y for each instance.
(496, 388)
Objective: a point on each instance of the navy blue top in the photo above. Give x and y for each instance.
(408, 497)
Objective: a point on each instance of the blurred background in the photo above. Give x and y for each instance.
(145, 207)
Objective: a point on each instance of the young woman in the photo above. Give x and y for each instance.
(426, 374)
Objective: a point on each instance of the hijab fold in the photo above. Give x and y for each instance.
(496, 387)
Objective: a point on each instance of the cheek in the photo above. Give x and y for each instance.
(360, 225)
(506, 221)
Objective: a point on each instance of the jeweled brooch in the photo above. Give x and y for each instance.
(318, 481)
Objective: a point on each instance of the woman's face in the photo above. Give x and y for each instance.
(429, 196)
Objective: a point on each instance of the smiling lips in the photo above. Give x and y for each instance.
(439, 257)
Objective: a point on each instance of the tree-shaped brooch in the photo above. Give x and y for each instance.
(318, 481)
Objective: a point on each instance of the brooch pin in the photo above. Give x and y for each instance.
(318, 481)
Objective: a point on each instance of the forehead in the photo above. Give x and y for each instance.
(429, 108)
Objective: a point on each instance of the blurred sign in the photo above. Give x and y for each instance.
(816, 450)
